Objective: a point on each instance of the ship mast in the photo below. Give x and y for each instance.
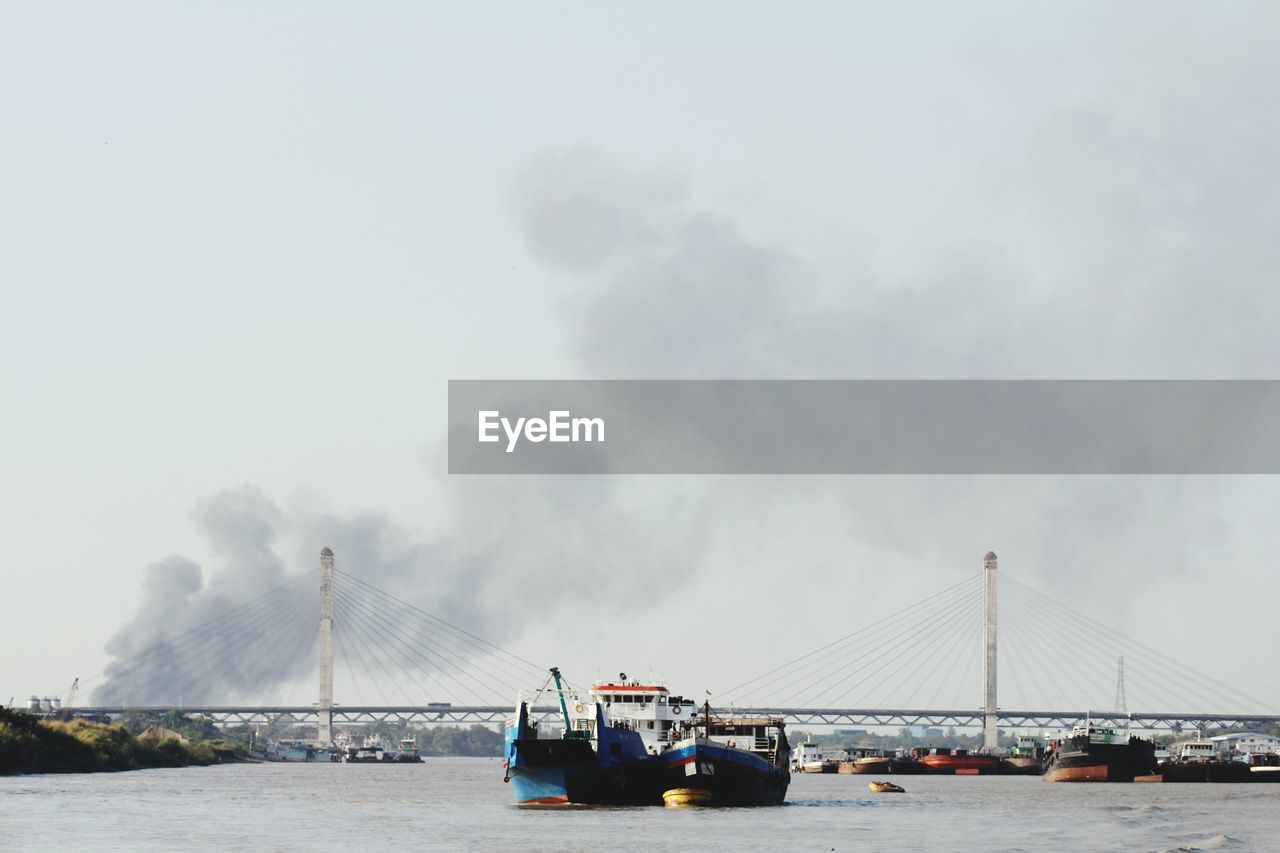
(564, 707)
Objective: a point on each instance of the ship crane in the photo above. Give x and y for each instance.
(71, 697)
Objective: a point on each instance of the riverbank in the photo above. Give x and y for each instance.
(31, 745)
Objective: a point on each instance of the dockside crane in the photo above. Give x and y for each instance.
(71, 697)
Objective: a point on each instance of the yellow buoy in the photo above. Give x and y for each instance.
(683, 797)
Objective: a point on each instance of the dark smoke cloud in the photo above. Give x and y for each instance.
(528, 547)
(1134, 238)
(156, 658)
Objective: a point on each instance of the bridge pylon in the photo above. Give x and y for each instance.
(990, 710)
(324, 709)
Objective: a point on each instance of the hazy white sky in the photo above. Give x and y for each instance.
(249, 243)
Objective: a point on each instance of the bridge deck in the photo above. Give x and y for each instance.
(226, 714)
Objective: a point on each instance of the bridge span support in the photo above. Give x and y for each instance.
(324, 708)
(990, 709)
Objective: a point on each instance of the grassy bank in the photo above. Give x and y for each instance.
(30, 745)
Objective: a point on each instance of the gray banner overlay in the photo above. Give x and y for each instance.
(865, 427)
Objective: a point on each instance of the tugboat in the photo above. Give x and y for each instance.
(408, 752)
(1097, 753)
(1026, 758)
(809, 758)
(629, 743)
(737, 760)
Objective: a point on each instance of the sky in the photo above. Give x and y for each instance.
(243, 248)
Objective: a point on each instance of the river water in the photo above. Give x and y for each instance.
(462, 804)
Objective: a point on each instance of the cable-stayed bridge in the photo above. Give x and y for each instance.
(912, 667)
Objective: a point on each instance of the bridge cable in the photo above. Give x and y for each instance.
(786, 667)
(370, 622)
(904, 620)
(911, 633)
(419, 646)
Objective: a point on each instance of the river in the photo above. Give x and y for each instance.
(462, 804)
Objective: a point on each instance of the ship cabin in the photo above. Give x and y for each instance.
(1196, 751)
(1026, 744)
(1098, 733)
(754, 734)
(649, 709)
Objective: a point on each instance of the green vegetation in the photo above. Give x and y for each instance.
(31, 745)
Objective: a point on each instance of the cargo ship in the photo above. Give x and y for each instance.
(1097, 753)
(628, 743)
(877, 762)
(959, 762)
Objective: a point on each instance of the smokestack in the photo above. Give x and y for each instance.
(324, 711)
(990, 730)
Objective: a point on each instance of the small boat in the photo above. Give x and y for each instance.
(683, 797)
(886, 788)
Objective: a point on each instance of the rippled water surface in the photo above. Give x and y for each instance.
(461, 803)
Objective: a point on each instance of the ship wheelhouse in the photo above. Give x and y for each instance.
(648, 709)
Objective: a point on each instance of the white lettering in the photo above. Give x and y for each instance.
(588, 424)
(559, 426)
(513, 435)
(486, 424)
(559, 423)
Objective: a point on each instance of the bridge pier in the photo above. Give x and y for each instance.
(324, 709)
(990, 711)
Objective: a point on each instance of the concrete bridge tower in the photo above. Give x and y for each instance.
(990, 730)
(324, 710)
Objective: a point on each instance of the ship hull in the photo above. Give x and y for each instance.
(881, 766)
(591, 786)
(1206, 771)
(570, 771)
(1022, 766)
(961, 765)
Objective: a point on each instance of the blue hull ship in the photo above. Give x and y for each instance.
(628, 743)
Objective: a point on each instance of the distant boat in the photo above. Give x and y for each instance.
(960, 762)
(886, 788)
(809, 758)
(408, 752)
(1026, 757)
